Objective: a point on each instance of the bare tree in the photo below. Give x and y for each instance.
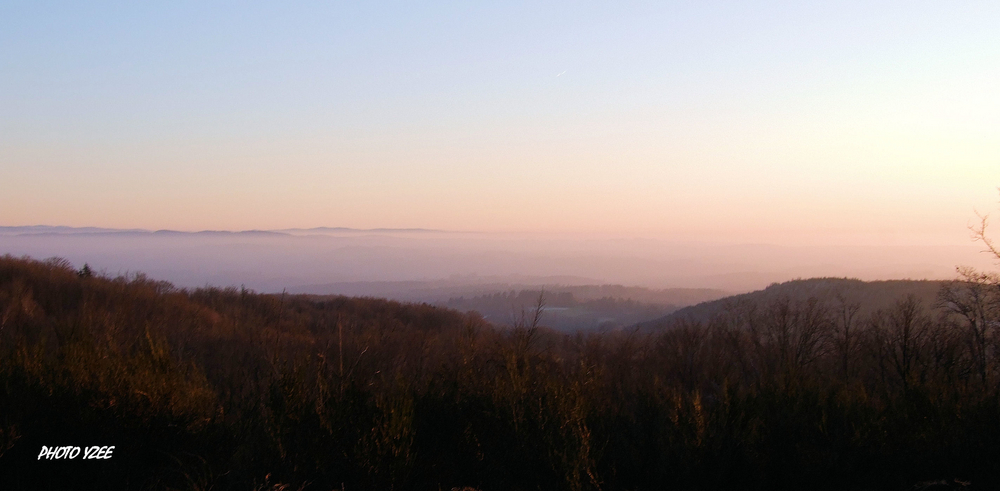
(900, 336)
(975, 300)
(979, 234)
(845, 333)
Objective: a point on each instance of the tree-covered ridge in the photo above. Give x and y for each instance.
(229, 389)
(868, 295)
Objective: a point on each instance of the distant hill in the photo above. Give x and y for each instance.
(64, 230)
(869, 295)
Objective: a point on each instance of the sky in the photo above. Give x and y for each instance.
(785, 122)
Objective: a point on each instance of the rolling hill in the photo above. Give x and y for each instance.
(869, 295)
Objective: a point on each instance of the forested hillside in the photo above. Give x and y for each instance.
(868, 296)
(228, 389)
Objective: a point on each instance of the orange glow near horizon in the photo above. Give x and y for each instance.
(784, 124)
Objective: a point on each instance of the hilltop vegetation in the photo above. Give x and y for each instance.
(229, 389)
(869, 296)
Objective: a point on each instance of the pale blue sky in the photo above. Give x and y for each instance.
(776, 121)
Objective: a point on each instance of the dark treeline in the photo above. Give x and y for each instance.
(228, 389)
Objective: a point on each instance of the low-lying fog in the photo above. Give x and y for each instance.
(372, 262)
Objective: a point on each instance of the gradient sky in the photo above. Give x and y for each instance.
(785, 122)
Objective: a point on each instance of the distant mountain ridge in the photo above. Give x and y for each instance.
(869, 295)
(60, 229)
(65, 230)
(328, 230)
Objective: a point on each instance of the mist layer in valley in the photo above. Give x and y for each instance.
(498, 275)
